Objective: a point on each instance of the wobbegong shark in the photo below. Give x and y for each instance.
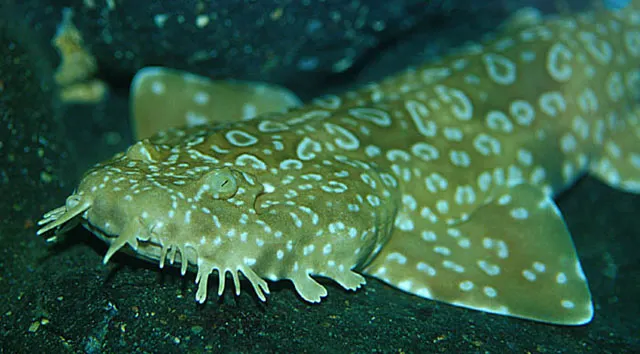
(438, 181)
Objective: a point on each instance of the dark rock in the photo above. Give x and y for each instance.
(296, 43)
(33, 146)
(303, 45)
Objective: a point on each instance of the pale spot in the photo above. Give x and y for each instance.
(488, 268)
(498, 121)
(635, 160)
(613, 149)
(397, 257)
(615, 86)
(201, 98)
(193, 119)
(396, 154)
(464, 243)
(598, 132)
(453, 266)
(372, 151)
(442, 206)
(373, 200)
(525, 157)
(409, 201)
(561, 278)
(426, 213)
(500, 68)
(425, 268)
(464, 109)
(498, 176)
(335, 227)
(307, 149)
(328, 101)
(432, 74)
(429, 236)
(425, 151)
(529, 275)
(484, 181)
(503, 250)
(435, 182)
(587, 101)
(528, 56)
(504, 199)
(599, 49)
(632, 42)
(490, 292)
(405, 285)
(442, 250)
(455, 233)
(522, 112)
(460, 158)
(519, 213)
(568, 170)
(559, 63)
(309, 116)
(539, 267)
(366, 178)
(270, 126)
(486, 144)
(345, 139)
(514, 175)
(568, 304)
(465, 195)
(453, 134)
(504, 44)
(466, 285)
(307, 250)
(538, 175)
(419, 114)
(158, 87)
(376, 116)
(252, 161)
(404, 223)
(291, 164)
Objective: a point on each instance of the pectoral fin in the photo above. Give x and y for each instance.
(513, 256)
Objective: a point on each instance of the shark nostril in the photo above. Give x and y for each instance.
(72, 201)
(74, 206)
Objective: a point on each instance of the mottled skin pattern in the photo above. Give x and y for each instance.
(437, 181)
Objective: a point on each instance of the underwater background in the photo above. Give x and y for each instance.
(61, 298)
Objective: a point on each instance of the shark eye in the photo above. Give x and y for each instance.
(222, 184)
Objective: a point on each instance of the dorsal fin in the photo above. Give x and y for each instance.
(162, 98)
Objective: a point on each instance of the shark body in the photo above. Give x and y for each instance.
(438, 181)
